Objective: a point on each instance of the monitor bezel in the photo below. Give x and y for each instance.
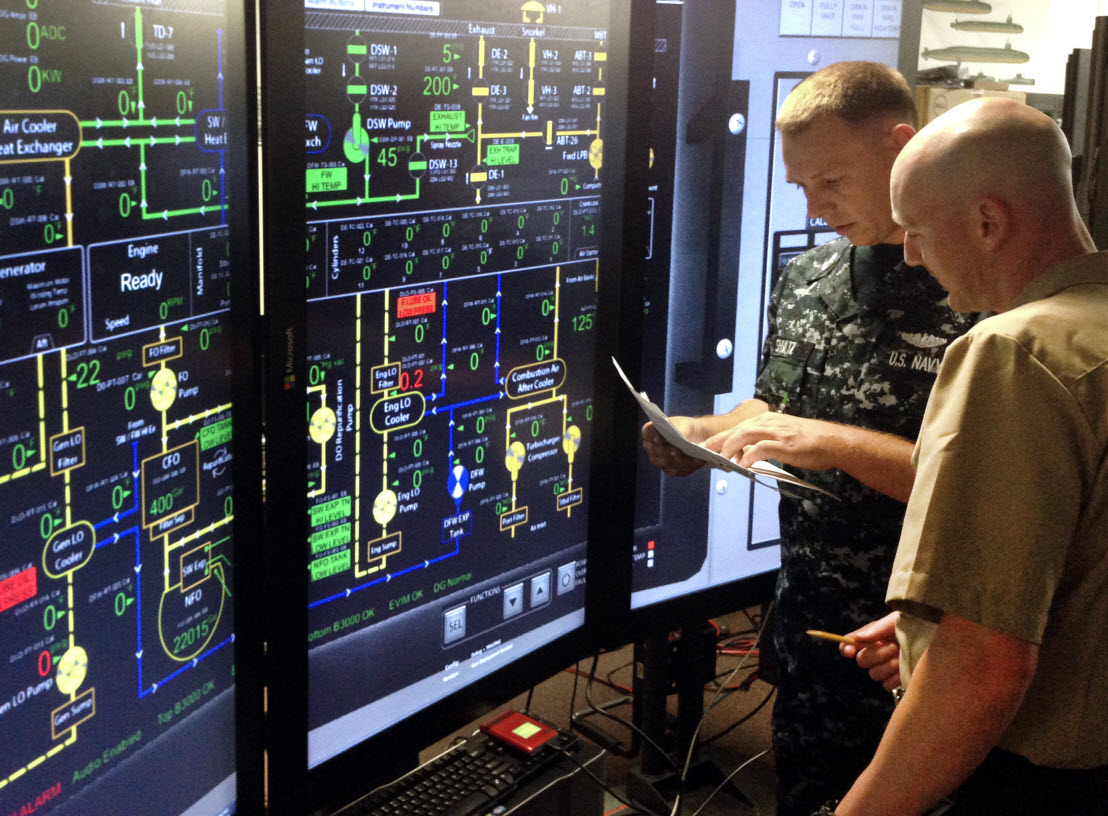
(247, 424)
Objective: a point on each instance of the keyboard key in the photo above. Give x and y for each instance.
(466, 806)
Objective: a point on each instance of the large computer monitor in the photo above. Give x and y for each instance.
(126, 492)
(707, 543)
(456, 186)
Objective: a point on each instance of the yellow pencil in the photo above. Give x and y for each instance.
(816, 633)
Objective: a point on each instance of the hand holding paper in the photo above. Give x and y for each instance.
(665, 456)
(674, 437)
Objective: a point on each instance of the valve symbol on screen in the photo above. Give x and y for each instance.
(596, 154)
(533, 8)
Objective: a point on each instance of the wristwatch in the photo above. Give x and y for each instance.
(827, 808)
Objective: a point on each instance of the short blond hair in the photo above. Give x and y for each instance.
(857, 92)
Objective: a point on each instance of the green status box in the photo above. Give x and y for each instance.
(448, 121)
(218, 433)
(502, 154)
(330, 538)
(331, 565)
(331, 511)
(326, 179)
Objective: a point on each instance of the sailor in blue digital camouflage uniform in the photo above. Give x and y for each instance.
(855, 340)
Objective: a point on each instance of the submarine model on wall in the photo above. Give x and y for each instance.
(958, 6)
(988, 26)
(976, 53)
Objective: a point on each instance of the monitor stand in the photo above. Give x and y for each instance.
(681, 664)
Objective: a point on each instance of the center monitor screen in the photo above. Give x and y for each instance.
(454, 170)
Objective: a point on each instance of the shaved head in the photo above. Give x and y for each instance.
(985, 197)
(989, 147)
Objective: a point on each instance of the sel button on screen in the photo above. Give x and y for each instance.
(453, 624)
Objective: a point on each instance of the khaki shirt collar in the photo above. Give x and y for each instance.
(1091, 268)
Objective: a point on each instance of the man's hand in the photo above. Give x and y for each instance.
(665, 456)
(669, 460)
(804, 443)
(875, 649)
(880, 460)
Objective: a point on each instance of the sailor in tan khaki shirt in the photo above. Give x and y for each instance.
(1001, 577)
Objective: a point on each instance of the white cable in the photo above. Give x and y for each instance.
(725, 781)
(708, 708)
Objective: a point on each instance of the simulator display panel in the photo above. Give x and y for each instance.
(121, 159)
(454, 169)
(705, 531)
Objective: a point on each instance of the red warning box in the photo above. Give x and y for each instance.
(415, 305)
(18, 588)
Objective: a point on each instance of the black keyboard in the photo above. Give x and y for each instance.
(471, 777)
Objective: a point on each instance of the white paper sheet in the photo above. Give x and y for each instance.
(699, 452)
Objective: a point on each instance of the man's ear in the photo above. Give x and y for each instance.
(992, 221)
(901, 134)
